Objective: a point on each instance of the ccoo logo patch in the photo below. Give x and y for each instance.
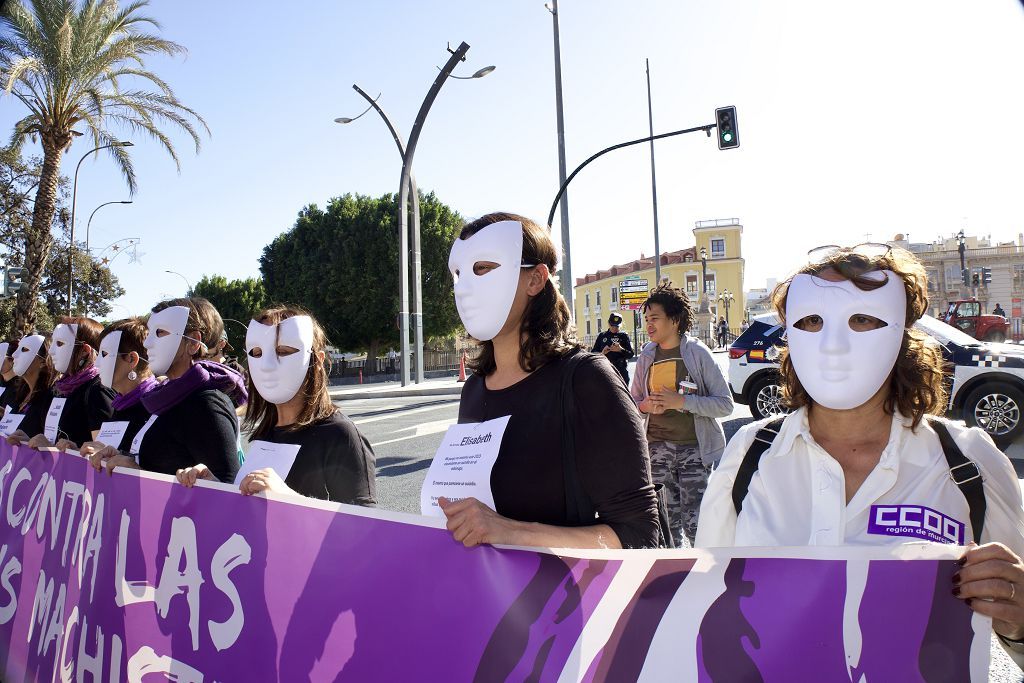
(915, 521)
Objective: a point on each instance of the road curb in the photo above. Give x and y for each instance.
(395, 393)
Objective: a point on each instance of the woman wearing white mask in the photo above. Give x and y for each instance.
(10, 384)
(31, 363)
(124, 367)
(859, 461)
(502, 265)
(80, 402)
(193, 412)
(289, 404)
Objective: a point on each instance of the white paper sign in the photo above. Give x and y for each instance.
(262, 454)
(10, 422)
(462, 465)
(137, 441)
(53, 418)
(111, 433)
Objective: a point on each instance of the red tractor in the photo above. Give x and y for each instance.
(967, 316)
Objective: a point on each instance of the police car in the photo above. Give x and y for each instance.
(986, 382)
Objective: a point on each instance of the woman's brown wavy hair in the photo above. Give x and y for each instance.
(261, 416)
(546, 328)
(916, 385)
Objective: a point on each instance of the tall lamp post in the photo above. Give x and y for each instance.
(704, 280)
(961, 246)
(88, 224)
(566, 278)
(726, 298)
(74, 201)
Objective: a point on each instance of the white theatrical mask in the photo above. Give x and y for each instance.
(62, 346)
(28, 349)
(3, 350)
(840, 368)
(484, 301)
(107, 358)
(164, 332)
(279, 378)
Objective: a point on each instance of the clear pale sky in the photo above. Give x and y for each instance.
(873, 118)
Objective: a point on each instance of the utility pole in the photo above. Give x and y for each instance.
(566, 277)
(654, 180)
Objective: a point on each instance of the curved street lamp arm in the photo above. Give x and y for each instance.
(387, 121)
(554, 205)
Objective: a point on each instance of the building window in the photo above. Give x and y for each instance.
(691, 284)
(615, 295)
(599, 297)
(586, 298)
(1018, 276)
(718, 248)
(709, 284)
(588, 328)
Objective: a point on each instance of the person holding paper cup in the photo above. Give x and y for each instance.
(124, 367)
(10, 384)
(300, 442)
(862, 460)
(31, 363)
(192, 414)
(80, 402)
(572, 469)
(682, 390)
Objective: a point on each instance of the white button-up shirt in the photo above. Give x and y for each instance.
(797, 496)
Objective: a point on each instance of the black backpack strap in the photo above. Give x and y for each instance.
(966, 474)
(752, 459)
(578, 509)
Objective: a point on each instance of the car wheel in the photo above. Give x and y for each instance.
(996, 408)
(996, 337)
(766, 398)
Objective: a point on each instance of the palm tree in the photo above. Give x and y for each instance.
(70, 65)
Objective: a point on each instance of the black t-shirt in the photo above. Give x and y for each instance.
(202, 428)
(86, 408)
(606, 339)
(35, 412)
(611, 452)
(11, 390)
(335, 462)
(136, 416)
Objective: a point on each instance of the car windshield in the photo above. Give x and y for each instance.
(945, 333)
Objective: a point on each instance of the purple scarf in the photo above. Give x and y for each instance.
(202, 375)
(67, 384)
(125, 401)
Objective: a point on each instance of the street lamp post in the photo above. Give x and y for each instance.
(74, 201)
(88, 224)
(566, 277)
(187, 283)
(654, 180)
(726, 298)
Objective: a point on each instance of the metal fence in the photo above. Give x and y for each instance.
(640, 338)
(434, 360)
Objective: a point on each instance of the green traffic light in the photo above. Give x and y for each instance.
(727, 137)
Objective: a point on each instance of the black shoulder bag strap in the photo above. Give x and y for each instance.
(966, 474)
(578, 510)
(752, 459)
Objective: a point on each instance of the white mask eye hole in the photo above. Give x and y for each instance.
(161, 332)
(255, 352)
(484, 267)
(104, 354)
(24, 349)
(861, 322)
(283, 351)
(810, 323)
(59, 343)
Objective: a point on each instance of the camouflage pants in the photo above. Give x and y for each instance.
(680, 469)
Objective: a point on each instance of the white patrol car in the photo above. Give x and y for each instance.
(985, 380)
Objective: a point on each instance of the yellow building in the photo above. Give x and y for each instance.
(621, 288)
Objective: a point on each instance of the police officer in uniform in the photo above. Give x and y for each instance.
(615, 345)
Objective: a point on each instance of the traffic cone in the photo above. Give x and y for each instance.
(360, 375)
(462, 368)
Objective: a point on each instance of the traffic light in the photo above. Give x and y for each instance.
(728, 130)
(975, 279)
(986, 276)
(12, 281)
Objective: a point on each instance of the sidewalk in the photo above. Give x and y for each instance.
(445, 386)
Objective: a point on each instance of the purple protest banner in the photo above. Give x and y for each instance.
(116, 578)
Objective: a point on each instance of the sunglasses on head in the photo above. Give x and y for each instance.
(869, 250)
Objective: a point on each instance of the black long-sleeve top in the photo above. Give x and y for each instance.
(35, 412)
(202, 428)
(86, 409)
(136, 416)
(335, 462)
(611, 452)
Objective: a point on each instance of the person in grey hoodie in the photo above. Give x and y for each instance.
(682, 391)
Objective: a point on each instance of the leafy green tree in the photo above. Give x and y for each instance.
(342, 264)
(72, 62)
(236, 300)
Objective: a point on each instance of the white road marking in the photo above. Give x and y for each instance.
(392, 416)
(435, 427)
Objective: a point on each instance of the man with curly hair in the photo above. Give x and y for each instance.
(682, 391)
